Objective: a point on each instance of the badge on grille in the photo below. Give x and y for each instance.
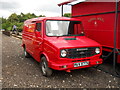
(81, 49)
(82, 52)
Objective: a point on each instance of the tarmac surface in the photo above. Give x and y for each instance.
(21, 72)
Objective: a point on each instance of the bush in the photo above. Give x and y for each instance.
(17, 20)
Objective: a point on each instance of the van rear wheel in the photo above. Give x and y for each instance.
(26, 54)
(46, 71)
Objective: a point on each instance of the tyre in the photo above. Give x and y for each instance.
(96, 66)
(26, 54)
(45, 70)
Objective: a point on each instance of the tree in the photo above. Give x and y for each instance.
(67, 15)
(17, 20)
(42, 16)
(13, 18)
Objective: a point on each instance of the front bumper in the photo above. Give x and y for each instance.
(70, 65)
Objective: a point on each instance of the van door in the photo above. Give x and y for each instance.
(28, 37)
(38, 39)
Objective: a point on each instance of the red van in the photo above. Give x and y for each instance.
(59, 43)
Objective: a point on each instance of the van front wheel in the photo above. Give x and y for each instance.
(46, 71)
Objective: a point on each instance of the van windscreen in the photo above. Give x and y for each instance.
(64, 28)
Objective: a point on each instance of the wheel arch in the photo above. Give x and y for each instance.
(44, 55)
(23, 45)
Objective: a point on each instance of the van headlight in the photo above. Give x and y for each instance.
(63, 53)
(97, 50)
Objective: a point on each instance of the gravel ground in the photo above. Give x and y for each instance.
(20, 72)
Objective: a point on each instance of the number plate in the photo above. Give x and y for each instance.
(81, 64)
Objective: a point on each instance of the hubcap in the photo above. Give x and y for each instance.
(25, 52)
(44, 67)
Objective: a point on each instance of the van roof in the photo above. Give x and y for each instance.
(50, 18)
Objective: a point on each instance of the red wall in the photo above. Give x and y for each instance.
(99, 27)
(92, 7)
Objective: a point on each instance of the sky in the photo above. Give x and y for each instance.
(39, 7)
(48, 8)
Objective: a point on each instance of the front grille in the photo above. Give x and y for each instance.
(81, 52)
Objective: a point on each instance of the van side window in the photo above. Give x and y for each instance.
(38, 26)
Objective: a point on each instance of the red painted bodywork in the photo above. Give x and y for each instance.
(39, 44)
(99, 19)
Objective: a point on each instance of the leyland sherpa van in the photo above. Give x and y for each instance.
(59, 43)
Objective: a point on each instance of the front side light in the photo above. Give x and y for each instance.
(97, 50)
(63, 53)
